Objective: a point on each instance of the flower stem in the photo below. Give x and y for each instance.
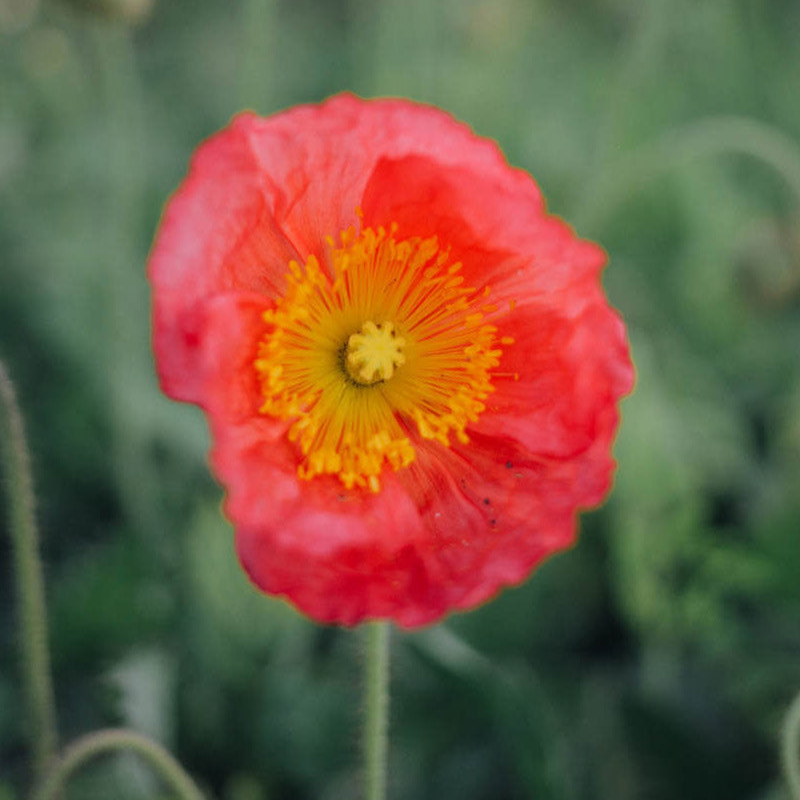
(87, 747)
(790, 750)
(29, 581)
(376, 711)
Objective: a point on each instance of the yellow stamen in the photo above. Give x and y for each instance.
(384, 338)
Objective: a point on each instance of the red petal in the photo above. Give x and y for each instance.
(233, 326)
(323, 156)
(415, 551)
(217, 234)
(562, 374)
(339, 555)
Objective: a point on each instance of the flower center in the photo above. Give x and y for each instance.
(385, 340)
(372, 355)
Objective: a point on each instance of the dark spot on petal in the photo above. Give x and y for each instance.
(493, 522)
(463, 483)
(486, 501)
(509, 465)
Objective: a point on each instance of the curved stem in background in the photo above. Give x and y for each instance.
(790, 749)
(376, 709)
(675, 148)
(93, 744)
(16, 469)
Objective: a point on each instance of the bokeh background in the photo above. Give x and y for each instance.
(655, 659)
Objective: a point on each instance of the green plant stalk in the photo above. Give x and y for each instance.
(93, 744)
(790, 749)
(28, 577)
(376, 709)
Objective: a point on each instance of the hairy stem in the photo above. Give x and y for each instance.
(790, 750)
(16, 469)
(104, 741)
(376, 711)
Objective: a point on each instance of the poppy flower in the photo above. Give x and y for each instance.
(410, 371)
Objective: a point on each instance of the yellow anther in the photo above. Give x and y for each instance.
(372, 355)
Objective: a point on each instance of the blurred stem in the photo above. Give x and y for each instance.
(376, 711)
(93, 744)
(707, 138)
(790, 754)
(16, 468)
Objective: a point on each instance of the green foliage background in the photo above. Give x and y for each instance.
(655, 659)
